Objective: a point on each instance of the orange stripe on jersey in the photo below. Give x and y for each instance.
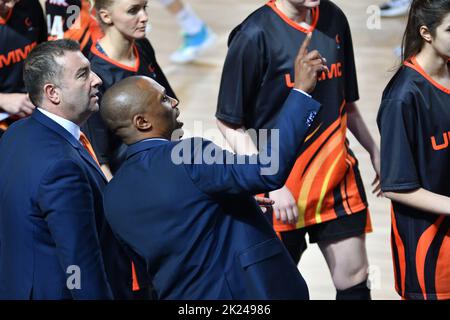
(368, 227)
(75, 33)
(5, 20)
(94, 28)
(401, 256)
(314, 132)
(296, 181)
(293, 24)
(278, 235)
(353, 197)
(325, 187)
(342, 106)
(311, 186)
(135, 68)
(416, 66)
(322, 170)
(421, 252)
(311, 152)
(85, 40)
(442, 282)
(134, 278)
(85, 27)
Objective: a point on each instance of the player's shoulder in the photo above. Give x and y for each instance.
(403, 86)
(105, 68)
(328, 10)
(253, 26)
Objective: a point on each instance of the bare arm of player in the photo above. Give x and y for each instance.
(241, 143)
(423, 200)
(237, 137)
(16, 104)
(358, 127)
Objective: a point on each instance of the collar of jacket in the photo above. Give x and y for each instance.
(52, 125)
(144, 145)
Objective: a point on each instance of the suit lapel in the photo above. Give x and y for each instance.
(86, 156)
(52, 125)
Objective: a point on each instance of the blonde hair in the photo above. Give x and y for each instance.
(101, 4)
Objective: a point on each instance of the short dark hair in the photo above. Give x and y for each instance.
(41, 66)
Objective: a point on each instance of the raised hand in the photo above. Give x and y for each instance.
(307, 66)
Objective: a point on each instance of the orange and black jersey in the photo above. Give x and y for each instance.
(414, 122)
(23, 28)
(72, 19)
(257, 77)
(108, 147)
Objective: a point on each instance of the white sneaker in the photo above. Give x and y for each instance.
(193, 45)
(395, 8)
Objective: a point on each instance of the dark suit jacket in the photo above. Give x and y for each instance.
(51, 217)
(197, 226)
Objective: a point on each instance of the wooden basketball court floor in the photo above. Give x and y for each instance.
(197, 86)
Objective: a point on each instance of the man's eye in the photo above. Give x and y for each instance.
(165, 99)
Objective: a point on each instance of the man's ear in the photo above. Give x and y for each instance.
(52, 93)
(141, 122)
(105, 16)
(425, 34)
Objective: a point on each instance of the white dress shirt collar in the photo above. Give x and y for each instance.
(154, 139)
(73, 129)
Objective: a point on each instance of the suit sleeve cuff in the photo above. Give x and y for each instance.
(306, 94)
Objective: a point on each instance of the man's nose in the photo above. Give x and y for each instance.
(96, 80)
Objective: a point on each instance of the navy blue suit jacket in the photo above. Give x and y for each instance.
(51, 217)
(197, 226)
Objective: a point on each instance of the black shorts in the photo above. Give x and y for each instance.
(334, 230)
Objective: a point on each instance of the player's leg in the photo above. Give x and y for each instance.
(196, 34)
(348, 264)
(343, 244)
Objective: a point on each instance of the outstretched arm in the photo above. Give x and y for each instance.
(269, 169)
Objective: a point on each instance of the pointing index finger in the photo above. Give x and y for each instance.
(304, 47)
